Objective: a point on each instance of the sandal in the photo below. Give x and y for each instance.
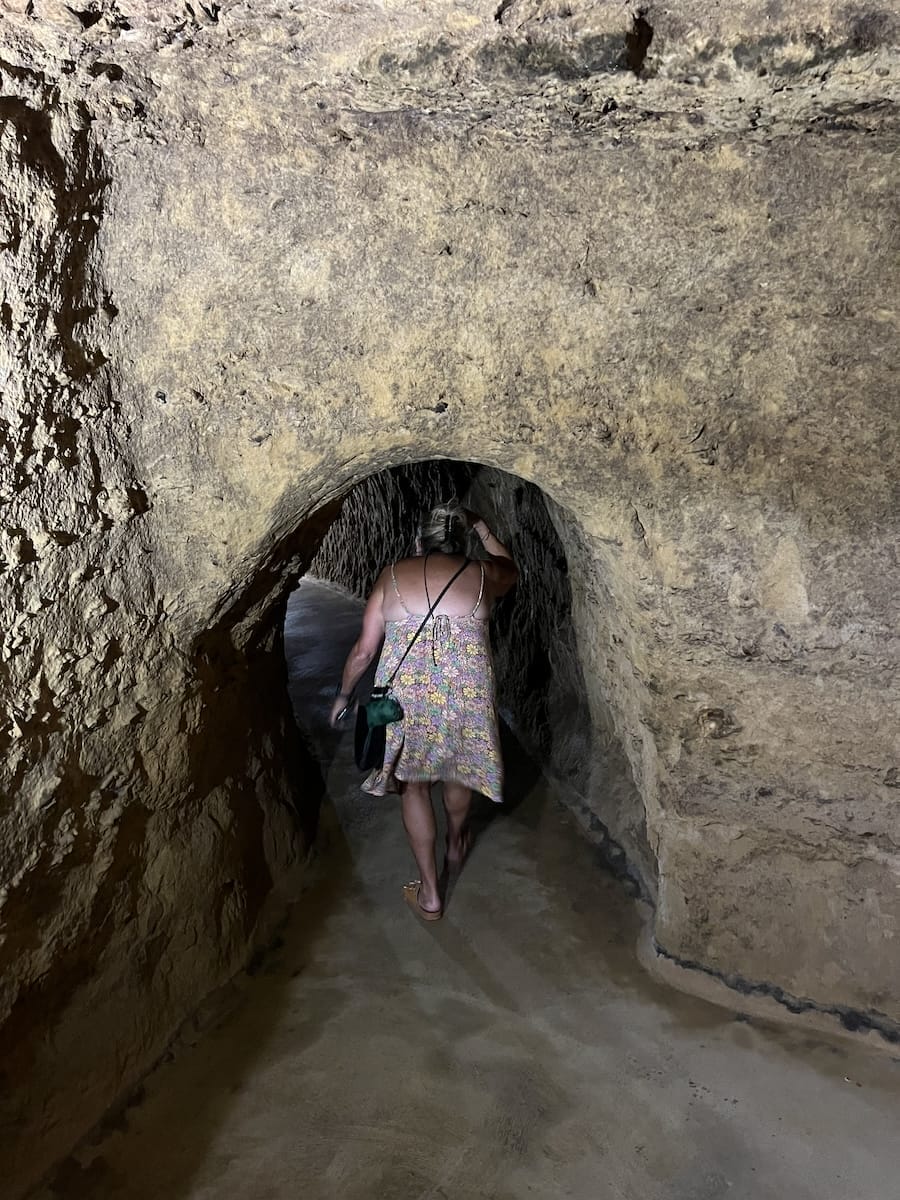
(411, 896)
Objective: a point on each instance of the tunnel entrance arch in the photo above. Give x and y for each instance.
(613, 589)
(542, 692)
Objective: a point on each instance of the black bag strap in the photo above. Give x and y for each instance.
(425, 620)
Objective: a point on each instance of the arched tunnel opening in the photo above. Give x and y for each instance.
(547, 723)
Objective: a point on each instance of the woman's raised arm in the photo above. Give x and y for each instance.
(501, 570)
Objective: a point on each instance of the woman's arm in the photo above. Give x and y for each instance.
(501, 569)
(364, 650)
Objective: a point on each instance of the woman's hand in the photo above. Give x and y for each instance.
(339, 710)
(476, 524)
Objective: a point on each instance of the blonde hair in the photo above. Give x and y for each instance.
(444, 528)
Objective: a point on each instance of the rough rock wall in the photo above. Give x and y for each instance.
(137, 850)
(253, 253)
(554, 681)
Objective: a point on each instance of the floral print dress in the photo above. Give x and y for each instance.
(446, 689)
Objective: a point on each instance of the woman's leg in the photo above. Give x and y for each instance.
(418, 821)
(457, 801)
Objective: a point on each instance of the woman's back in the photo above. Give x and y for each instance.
(443, 677)
(471, 594)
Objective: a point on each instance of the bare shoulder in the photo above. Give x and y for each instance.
(403, 568)
(378, 587)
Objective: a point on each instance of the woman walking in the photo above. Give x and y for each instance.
(445, 685)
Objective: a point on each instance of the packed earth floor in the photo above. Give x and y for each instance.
(514, 1049)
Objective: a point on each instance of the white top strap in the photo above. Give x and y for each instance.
(480, 592)
(397, 590)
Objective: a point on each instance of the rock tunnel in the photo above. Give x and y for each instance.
(628, 275)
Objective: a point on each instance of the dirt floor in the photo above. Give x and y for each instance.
(513, 1049)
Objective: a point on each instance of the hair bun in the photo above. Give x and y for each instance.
(444, 528)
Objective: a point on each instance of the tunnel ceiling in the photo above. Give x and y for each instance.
(252, 253)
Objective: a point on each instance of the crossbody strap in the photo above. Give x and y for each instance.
(425, 621)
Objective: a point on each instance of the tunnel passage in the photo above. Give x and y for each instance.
(542, 694)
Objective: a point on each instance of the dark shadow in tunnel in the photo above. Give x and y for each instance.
(308, 643)
(240, 655)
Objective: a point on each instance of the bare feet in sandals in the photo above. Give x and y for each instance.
(422, 906)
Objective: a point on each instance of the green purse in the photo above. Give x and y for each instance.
(383, 708)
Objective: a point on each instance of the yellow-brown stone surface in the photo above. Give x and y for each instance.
(251, 253)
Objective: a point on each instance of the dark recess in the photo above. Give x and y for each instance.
(637, 43)
(86, 16)
(111, 70)
(870, 30)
